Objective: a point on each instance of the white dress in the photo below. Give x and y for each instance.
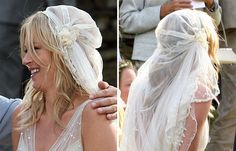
(69, 139)
(161, 110)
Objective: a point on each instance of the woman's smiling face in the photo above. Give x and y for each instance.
(39, 62)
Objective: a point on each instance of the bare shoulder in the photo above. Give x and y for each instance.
(15, 117)
(97, 130)
(17, 111)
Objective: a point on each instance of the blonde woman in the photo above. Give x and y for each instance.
(58, 46)
(170, 98)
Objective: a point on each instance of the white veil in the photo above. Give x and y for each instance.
(78, 37)
(179, 73)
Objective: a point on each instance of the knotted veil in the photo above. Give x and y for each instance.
(179, 73)
(78, 37)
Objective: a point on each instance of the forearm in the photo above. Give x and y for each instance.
(194, 126)
(136, 19)
(190, 140)
(196, 141)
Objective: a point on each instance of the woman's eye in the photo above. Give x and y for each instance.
(25, 51)
(35, 48)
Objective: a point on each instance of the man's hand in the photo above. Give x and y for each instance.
(174, 5)
(208, 3)
(105, 100)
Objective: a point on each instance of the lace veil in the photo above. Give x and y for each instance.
(179, 73)
(78, 37)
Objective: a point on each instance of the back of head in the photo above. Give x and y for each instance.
(178, 34)
(180, 29)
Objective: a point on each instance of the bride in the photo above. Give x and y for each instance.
(58, 46)
(170, 99)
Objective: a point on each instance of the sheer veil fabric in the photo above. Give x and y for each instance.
(78, 37)
(178, 74)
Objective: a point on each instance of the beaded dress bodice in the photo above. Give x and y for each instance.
(68, 140)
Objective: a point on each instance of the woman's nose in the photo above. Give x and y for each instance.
(27, 59)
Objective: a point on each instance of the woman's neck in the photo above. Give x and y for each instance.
(50, 97)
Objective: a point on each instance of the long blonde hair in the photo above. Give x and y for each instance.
(36, 26)
(213, 41)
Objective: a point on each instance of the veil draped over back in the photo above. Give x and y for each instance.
(179, 73)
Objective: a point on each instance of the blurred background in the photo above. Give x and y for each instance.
(13, 75)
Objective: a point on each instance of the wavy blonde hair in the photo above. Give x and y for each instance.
(33, 105)
(213, 41)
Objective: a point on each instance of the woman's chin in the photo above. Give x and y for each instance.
(36, 86)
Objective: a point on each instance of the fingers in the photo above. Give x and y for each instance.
(181, 4)
(103, 85)
(108, 101)
(112, 116)
(106, 106)
(201, 0)
(108, 92)
(107, 109)
(182, 1)
(110, 111)
(174, 5)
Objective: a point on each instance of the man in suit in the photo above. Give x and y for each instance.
(223, 130)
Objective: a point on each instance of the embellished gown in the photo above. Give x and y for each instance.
(68, 140)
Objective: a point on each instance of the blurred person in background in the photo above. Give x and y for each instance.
(141, 17)
(126, 76)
